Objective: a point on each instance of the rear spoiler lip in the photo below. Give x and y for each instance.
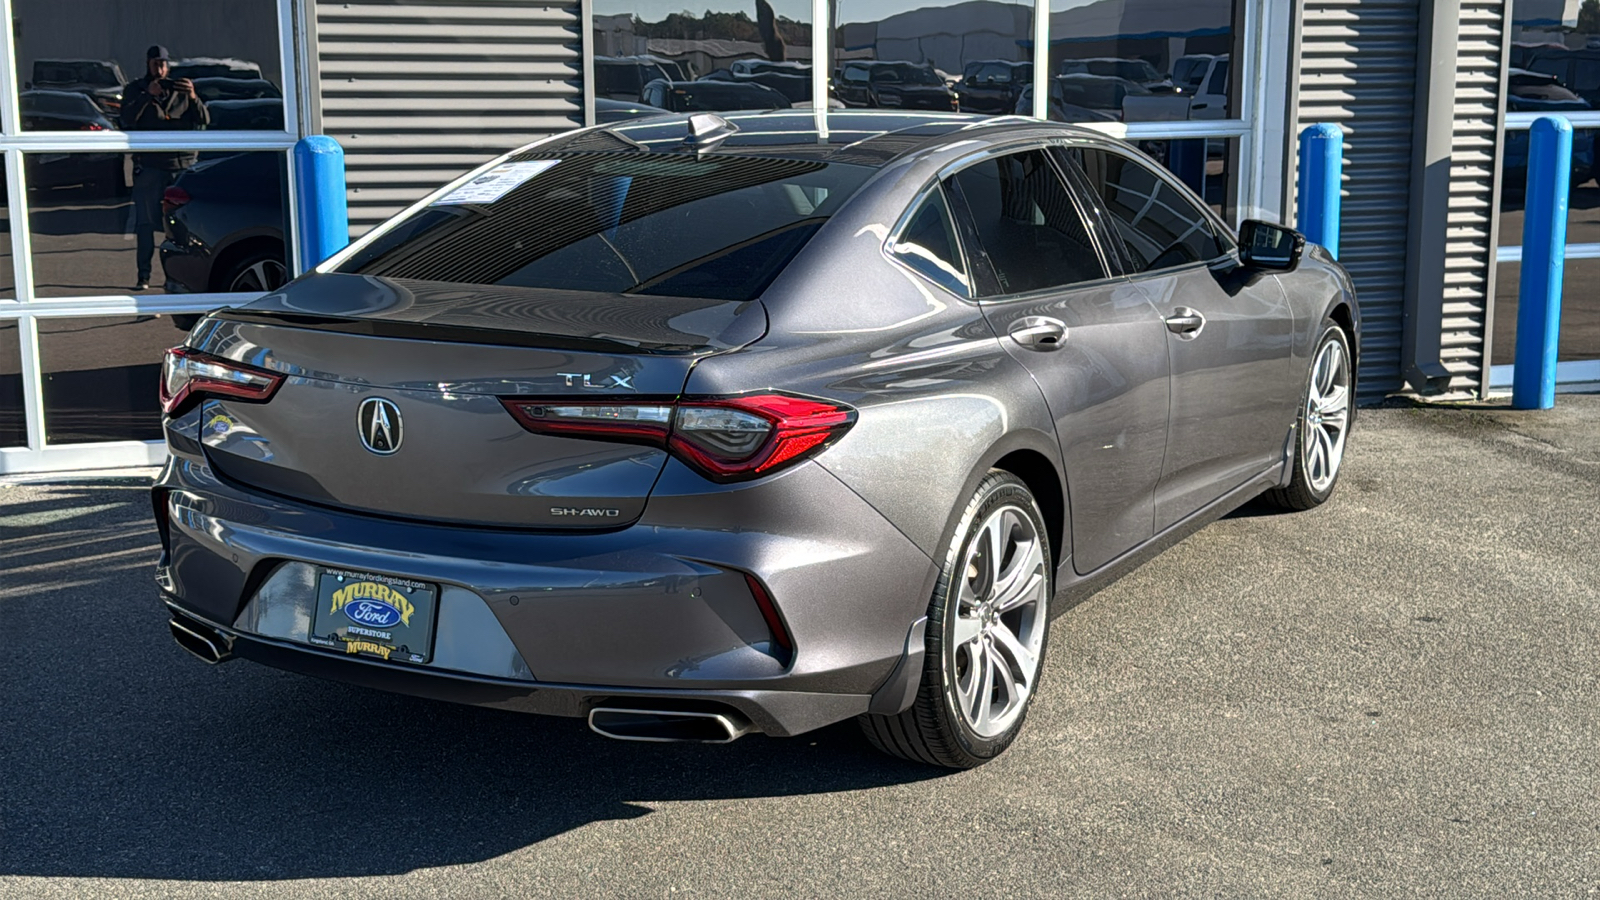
(454, 334)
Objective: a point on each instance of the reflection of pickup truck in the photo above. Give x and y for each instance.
(711, 96)
(213, 67)
(993, 85)
(1205, 77)
(791, 79)
(1538, 92)
(100, 79)
(1136, 70)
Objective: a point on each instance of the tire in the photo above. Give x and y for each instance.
(955, 721)
(257, 271)
(1323, 423)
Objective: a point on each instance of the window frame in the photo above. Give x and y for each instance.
(963, 259)
(27, 310)
(980, 267)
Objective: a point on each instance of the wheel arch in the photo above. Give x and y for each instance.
(1033, 457)
(238, 249)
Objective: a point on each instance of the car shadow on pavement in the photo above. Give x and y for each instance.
(123, 757)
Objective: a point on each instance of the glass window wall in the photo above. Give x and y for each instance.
(653, 55)
(1555, 70)
(13, 424)
(937, 55)
(178, 222)
(1141, 60)
(101, 376)
(148, 65)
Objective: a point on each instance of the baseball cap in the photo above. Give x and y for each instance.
(156, 51)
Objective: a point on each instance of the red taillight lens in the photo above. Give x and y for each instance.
(172, 198)
(727, 439)
(188, 375)
(724, 438)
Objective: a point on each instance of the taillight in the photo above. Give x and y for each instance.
(188, 375)
(725, 439)
(172, 198)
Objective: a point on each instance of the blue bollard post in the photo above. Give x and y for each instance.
(1321, 168)
(1544, 253)
(320, 208)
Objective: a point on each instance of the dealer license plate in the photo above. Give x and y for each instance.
(375, 615)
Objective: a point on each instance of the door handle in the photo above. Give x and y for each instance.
(1039, 332)
(1185, 323)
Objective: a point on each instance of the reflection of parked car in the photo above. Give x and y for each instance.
(624, 77)
(213, 67)
(213, 89)
(792, 80)
(1085, 98)
(1576, 70)
(1205, 76)
(62, 111)
(1137, 71)
(99, 79)
(607, 110)
(69, 111)
(711, 96)
(246, 115)
(1538, 92)
(224, 223)
(890, 84)
(993, 85)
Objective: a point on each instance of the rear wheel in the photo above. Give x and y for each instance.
(259, 270)
(1323, 425)
(987, 627)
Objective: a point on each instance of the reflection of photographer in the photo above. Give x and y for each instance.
(158, 103)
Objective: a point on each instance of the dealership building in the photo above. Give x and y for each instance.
(1435, 98)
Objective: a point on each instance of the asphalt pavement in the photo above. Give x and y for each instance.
(1393, 695)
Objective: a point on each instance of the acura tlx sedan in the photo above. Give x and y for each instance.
(700, 426)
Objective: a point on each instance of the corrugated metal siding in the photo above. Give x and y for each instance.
(1358, 62)
(1474, 159)
(419, 92)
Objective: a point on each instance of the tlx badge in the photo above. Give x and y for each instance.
(578, 379)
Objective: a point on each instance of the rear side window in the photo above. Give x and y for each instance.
(713, 227)
(1026, 224)
(1161, 226)
(928, 245)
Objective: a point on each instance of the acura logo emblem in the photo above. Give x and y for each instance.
(379, 423)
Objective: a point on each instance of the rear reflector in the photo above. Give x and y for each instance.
(187, 376)
(725, 439)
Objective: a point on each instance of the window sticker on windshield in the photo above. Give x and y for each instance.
(496, 183)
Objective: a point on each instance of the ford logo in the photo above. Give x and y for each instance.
(374, 613)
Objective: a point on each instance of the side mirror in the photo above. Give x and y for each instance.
(1263, 245)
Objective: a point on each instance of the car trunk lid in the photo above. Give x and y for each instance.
(440, 357)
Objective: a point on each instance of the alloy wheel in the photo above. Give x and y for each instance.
(1000, 622)
(1327, 416)
(263, 275)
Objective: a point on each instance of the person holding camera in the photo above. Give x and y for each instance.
(158, 103)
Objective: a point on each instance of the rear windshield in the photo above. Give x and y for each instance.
(714, 227)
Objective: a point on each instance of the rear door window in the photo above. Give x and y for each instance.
(1027, 226)
(713, 227)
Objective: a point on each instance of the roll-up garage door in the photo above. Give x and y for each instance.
(1358, 63)
(419, 92)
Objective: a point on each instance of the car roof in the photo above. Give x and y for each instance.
(860, 137)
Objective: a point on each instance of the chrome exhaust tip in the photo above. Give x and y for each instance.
(203, 642)
(668, 725)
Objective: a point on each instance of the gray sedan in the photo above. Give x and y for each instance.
(700, 426)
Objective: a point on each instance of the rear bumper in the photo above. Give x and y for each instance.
(772, 711)
(558, 623)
